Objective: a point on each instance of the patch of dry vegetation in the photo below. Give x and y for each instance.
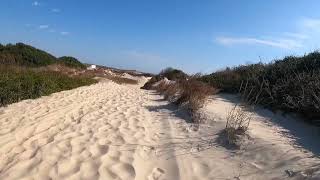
(121, 80)
(194, 93)
(238, 121)
(188, 93)
(172, 91)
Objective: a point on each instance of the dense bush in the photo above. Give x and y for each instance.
(173, 74)
(148, 84)
(22, 54)
(291, 84)
(71, 62)
(169, 73)
(17, 83)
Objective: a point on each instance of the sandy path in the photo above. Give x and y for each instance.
(110, 131)
(102, 131)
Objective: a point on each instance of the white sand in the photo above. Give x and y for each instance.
(110, 131)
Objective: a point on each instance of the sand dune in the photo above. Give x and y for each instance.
(111, 131)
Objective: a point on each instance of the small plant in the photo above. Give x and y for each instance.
(238, 121)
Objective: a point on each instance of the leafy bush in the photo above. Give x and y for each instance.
(18, 83)
(25, 55)
(169, 73)
(291, 84)
(71, 62)
(148, 85)
(173, 74)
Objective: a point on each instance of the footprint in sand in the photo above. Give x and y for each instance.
(156, 174)
(145, 151)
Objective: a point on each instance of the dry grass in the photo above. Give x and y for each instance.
(121, 80)
(162, 86)
(190, 94)
(172, 92)
(194, 93)
(238, 121)
(116, 77)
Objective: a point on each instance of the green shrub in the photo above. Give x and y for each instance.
(18, 83)
(291, 84)
(169, 73)
(71, 62)
(173, 74)
(24, 55)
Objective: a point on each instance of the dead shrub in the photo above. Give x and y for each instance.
(172, 92)
(238, 121)
(189, 93)
(194, 94)
(161, 86)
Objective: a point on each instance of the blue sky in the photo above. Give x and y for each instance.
(148, 35)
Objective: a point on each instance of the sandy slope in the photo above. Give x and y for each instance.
(110, 131)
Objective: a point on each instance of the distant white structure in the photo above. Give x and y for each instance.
(92, 67)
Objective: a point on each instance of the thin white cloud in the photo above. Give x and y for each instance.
(307, 32)
(310, 23)
(55, 10)
(45, 26)
(52, 30)
(279, 43)
(296, 35)
(64, 33)
(35, 3)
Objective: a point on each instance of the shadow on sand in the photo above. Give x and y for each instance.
(302, 133)
(172, 109)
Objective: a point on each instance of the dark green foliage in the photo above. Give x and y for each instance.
(22, 54)
(229, 80)
(18, 83)
(291, 84)
(173, 74)
(169, 73)
(148, 84)
(71, 62)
